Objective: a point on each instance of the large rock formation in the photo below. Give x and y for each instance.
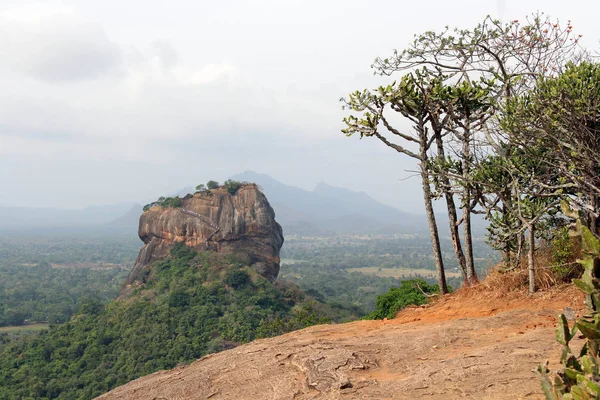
(242, 224)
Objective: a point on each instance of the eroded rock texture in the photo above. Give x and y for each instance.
(242, 224)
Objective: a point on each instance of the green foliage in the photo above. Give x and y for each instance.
(562, 251)
(200, 188)
(41, 293)
(182, 312)
(183, 253)
(165, 202)
(237, 278)
(232, 186)
(179, 298)
(410, 292)
(580, 377)
(211, 185)
(83, 249)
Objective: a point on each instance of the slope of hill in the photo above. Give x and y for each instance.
(129, 219)
(194, 290)
(467, 345)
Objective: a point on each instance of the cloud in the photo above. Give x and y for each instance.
(52, 43)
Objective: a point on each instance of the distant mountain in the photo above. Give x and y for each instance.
(130, 219)
(325, 210)
(33, 218)
(329, 209)
(121, 217)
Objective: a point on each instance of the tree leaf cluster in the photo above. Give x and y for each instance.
(190, 305)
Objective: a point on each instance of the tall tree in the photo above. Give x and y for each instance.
(562, 115)
(409, 98)
(513, 55)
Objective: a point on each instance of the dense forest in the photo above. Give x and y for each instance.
(191, 305)
(69, 248)
(41, 293)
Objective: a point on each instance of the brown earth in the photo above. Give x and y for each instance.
(472, 344)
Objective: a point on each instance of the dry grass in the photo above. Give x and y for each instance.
(502, 281)
(513, 284)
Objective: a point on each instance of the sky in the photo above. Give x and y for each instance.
(113, 101)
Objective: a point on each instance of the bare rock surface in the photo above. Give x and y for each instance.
(242, 224)
(475, 348)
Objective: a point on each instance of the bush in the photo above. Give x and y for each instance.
(166, 202)
(410, 292)
(237, 278)
(564, 253)
(179, 298)
(232, 186)
(182, 252)
(172, 202)
(211, 185)
(580, 375)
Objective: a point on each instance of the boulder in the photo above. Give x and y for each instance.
(242, 224)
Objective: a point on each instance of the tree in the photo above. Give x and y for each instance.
(232, 186)
(200, 188)
(562, 115)
(409, 98)
(469, 108)
(511, 56)
(211, 185)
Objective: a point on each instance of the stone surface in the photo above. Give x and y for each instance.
(242, 224)
(474, 347)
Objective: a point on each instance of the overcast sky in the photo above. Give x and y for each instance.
(113, 101)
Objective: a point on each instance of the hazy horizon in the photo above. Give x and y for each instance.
(114, 102)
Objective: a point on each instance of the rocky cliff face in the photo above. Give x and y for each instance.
(242, 224)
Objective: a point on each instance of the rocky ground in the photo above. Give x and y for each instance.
(468, 345)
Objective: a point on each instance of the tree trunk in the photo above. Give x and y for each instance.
(433, 231)
(506, 206)
(470, 263)
(592, 220)
(531, 258)
(458, 251)
(466, 199)
(520, 246)
(452, 216)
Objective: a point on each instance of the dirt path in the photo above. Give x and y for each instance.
(465, 346)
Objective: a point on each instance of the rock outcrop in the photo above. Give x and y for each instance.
(469, 347)
(242, 224)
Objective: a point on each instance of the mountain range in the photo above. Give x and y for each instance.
(329, 209)
(325, 210)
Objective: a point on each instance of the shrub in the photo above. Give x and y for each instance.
(410, 292)
(179, 298)
(182, 252)
(237, 278)
(211, 185)
(232, 186)
(171, 202)
(166, 202)
(564, 253)
(580, 376)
